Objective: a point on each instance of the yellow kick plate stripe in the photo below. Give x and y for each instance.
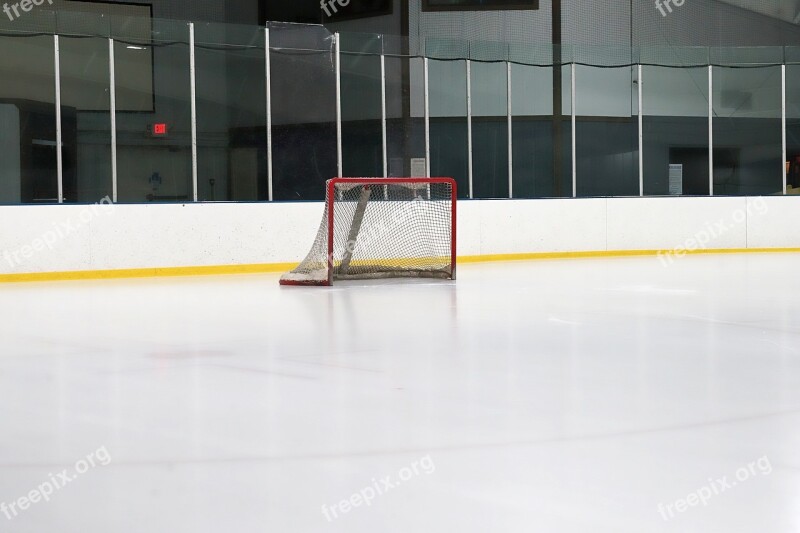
(284, 267)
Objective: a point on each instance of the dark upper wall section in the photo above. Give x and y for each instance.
(621, 23)
(196, 10)
(714, 23)
(232, 11)
(600, 22)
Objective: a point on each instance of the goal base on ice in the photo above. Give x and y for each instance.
(376, 228)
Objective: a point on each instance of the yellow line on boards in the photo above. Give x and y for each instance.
(284, 267)
(147, 272)
(612, 253)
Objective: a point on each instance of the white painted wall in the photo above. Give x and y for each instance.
(74, 238)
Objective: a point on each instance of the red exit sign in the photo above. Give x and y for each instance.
(159, 129)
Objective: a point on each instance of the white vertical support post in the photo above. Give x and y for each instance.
(426, 82)
(193, 83)
(510, 132)
(59, 134)
(384, 135)
(783, 128)
(469, 127)
(710, 130)
(338, 48)
(641, 129)
(268, 73)
(112, 90)
(574, 136)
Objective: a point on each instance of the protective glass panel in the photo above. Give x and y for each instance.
(303, 86)
(675, 126)
(747, 131)
(606, 132)
(28, 172)
(793, 129)
(541, 167)
(154, 121)
(448, 122)
(405, 111)
(362, 136)
(86, 118)
(489, 129)
(231, 112)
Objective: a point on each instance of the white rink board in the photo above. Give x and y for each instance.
(163, 236)
(667, 223)
(525, 226)
(779, 228)
(148, 236)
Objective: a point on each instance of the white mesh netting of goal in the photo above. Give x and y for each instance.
(380, 228)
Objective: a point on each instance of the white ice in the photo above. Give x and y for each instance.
(545, 396)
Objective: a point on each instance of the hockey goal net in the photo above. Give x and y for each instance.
(380, 228)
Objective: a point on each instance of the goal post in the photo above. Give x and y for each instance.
(375, 228)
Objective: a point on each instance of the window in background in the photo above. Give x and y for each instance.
(321, 11)
(477, 5)
(336, 10)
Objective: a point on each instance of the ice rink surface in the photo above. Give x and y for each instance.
(597, 395)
